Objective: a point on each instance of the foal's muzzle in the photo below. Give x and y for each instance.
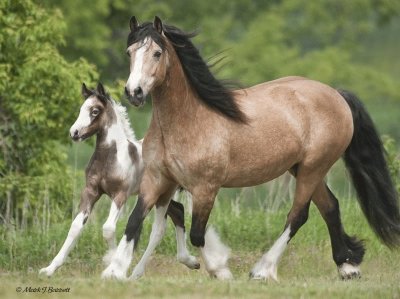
(137, 99)
(75, 135)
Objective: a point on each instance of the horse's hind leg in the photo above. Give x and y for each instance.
(306, 183)
(347, 251)
(88, 199)
(177, 213)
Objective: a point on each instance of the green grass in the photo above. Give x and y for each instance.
(306, 269)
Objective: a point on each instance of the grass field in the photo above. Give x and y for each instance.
(306, 269)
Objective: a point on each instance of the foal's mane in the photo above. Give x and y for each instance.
(213, 92)
(120, 112)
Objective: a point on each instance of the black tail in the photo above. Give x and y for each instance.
(366, 163)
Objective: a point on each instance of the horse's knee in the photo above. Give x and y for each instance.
(197, 239)
(198, 230)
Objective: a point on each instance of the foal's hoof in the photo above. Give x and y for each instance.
(348, 271)
(48, 271)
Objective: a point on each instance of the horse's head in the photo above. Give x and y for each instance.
(149, 61)
(92, 116)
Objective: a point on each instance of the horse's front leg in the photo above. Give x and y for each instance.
(157, 232)
(89, 197)
(214, 253)
(176, 211)
(152, 191)
(111, 223)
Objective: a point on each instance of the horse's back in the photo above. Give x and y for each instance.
(290, 120)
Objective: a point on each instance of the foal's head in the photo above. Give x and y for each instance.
(96, 112)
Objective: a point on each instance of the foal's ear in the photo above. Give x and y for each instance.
(86, 92)
(157, 24)
(100, 89)
(133, 24)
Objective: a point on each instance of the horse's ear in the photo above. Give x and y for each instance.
(157, 24)
(86, 92)
(100, 89)
(133, 24)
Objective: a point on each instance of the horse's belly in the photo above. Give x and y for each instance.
(264, 171)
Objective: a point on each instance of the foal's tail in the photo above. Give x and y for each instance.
(366, 163)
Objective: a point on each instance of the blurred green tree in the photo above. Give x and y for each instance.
(39, 97)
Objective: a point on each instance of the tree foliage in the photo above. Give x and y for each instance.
(39, 96)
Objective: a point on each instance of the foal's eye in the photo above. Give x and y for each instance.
(95, 112)
(157, 54)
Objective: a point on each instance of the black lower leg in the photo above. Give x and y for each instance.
(296, 220)
(197, 231)
(177, 213)
(345, 249)
(134, 226)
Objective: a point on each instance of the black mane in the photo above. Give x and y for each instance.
(213, 92)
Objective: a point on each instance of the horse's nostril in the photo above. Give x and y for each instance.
(126, 91)
(138, 92)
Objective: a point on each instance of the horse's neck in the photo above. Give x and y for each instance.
(113, 133)
(174, 102)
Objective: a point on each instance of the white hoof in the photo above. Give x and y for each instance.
(113, 272)
(223, 274)
(349, 271)
(48, 271)
(189, 261)
(260, 272)
(107, 258)
(136, 274)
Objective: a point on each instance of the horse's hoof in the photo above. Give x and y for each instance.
(112, 272)
(348, 271)
(264, 274)
(223, 274)
(136, 275)
(46, 271)
(190, 262)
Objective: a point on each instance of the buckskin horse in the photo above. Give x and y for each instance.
(204, 136)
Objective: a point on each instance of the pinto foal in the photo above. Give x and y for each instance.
(115, 169)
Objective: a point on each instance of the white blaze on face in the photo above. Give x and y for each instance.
(83, 119)
(135, 76)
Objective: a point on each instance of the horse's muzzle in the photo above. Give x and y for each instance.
(137, 99)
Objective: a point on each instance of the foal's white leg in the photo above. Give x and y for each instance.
(109, 231)
(73, 234)
(267, 266)
(215, 255)
(157, 232)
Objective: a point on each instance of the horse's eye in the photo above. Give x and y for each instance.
(95, 112)
(157, 54)
(127, 53)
